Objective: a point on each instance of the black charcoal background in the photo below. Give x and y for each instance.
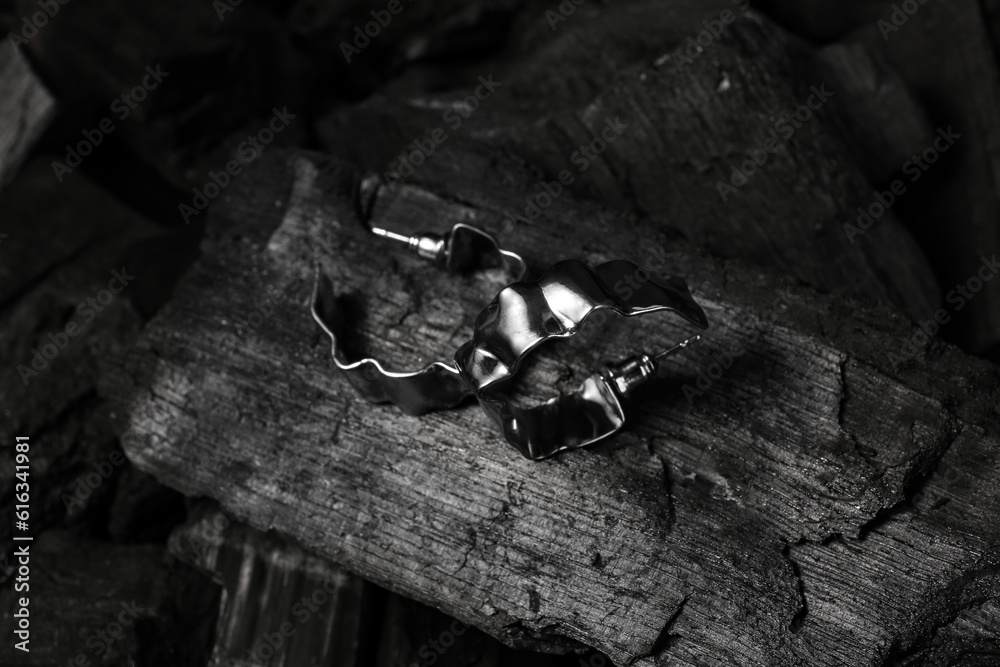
(123, 121)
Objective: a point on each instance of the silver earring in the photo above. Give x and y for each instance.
(526, 314)
(437, 385)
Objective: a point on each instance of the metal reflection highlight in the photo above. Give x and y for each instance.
(526, 314)
(437, 385)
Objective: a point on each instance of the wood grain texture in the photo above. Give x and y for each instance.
(691, 123)
(313, 612)
(814, 506)
(286, 607)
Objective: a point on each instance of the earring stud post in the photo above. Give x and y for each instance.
(433, 247)
(385, 233)
(434, 386)
(676, 348)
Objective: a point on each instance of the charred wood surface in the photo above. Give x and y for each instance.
(814, 503)
(815, 483)
(26, 108)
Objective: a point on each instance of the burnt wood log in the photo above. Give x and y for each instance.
(51, 263)
(286, 607)
(955, 207)
(317, 613)
(695, 116)
(64, 242)
(228, 65)
(887, 122)
(96, 603)
(26, 107)
(830, 498)
(816, 484)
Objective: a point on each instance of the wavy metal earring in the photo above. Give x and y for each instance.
(526, 314)
(437, 385)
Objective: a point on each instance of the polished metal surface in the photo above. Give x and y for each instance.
(434, 387)
(462, 249)
(437, 385)
(526, 314)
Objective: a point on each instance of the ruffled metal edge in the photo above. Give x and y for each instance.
(526, 314)
(436, 386)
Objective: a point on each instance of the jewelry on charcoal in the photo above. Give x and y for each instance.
(437, 385)
(523, 315)
(526, 314)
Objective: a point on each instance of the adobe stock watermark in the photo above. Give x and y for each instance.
(86, 484)
(625, 288)
(958, 297)
(246, 152)
(372, 29)
(210, 537)
(121, 107)
(915, 167)
(899, 17)
(420, 150)
(266, 647)
(694, 46)
(595, 660)
(785, 128)
(249, 326)
(565, 9)
(30, 25)
(100, 642)
(724, 360)
(86, 309)
(581, 158)
(432, 651)
(944, 475)
(270, 642)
